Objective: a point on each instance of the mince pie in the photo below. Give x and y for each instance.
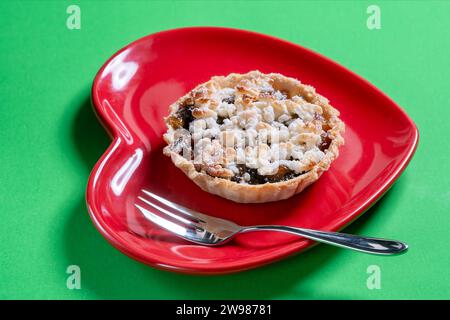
(253, 137)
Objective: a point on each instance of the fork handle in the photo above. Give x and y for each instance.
(343, 240)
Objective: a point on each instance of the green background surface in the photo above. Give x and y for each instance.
(50, 140)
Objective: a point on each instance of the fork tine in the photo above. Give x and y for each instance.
(179, 208)
(166, 224)
(177, 217)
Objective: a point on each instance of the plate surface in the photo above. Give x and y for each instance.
(131, 94)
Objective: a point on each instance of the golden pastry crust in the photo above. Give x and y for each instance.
(225, 107)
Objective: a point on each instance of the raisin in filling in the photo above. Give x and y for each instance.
(325, 139)
(220, 120)
(283, 174)
(325, 142)
(229, 99)
(183, 117)
(185, 114)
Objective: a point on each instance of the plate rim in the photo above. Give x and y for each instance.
(117, 141)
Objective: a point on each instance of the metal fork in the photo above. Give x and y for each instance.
(206, 230)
